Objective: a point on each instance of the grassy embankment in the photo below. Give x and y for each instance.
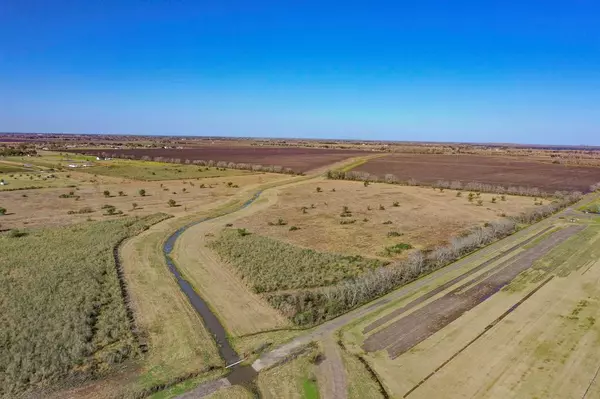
(63, 319)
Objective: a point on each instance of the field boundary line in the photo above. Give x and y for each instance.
(591, 383)
(486, 329)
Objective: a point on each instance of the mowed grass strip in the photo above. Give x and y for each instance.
(63, 318)
(270, 265)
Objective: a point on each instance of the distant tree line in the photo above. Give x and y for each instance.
(16, 151)
(453, 185)
(208, 163)
(309, 307)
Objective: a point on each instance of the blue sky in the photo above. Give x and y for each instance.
(480, 71)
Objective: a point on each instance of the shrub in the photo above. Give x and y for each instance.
(2, 211)
(15, 233)
(121, 194)
(394, 234)
(294, 228)
(366, 183)
(142, 192)
(387, 222)
(493, 200)
(503, 197)
(459, 193)
(381, 207)
(106, 193)
(172, 203)
(134, 205)
(397, 249)
(243, 232)
(396, 203)
(319, 189)
(479, 202)
(352, 221)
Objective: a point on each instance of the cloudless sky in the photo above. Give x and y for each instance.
(480, 71)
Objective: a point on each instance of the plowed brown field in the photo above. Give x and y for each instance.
(298, 159)
(484, 169)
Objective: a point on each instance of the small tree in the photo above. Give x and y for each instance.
(142, 192)
(172, 203)
(106, 193)
(243, 232)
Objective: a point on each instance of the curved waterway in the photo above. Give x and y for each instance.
(210, 320)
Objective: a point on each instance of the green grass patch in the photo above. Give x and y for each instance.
(63, 319)
(270, 265)
(6, 168)
(396, 249)
(310, 389)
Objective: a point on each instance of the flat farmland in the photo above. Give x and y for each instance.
(501, 171)
(92, 197)
(378, 216)
(298, 159)
(521, 322)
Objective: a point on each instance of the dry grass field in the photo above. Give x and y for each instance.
(536, 338)
(63, 318)
(46, 207)
(423, 217)
(306, 235)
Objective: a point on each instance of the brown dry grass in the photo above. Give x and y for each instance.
(43, 207)
(425, 217)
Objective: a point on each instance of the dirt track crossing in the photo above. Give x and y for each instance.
(407, 332)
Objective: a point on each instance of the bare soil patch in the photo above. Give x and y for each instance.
(403, 334)
(501, 171)
(298, 159)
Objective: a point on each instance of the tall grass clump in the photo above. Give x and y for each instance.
(63, 318)
(270, 265)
